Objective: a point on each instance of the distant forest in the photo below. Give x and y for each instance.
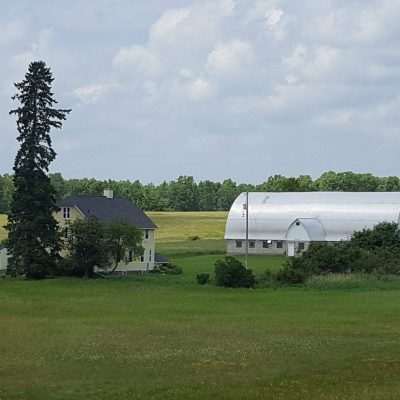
(185, 194)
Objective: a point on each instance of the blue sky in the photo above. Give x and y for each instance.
(214, 89)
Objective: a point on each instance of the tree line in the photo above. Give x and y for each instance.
(185, 194)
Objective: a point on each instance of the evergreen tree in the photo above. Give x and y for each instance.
(33, 239)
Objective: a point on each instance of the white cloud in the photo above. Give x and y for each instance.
(91, 94)
(137, 59)
(11, 31)
(200, 89)
(273, 17)
(229, 59)
(167, 26)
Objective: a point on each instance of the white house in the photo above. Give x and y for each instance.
(285, 223)
(108, 208)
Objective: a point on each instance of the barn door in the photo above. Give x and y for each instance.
(290, 249)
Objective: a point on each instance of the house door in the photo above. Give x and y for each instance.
(290, 249)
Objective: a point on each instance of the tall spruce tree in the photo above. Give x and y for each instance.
(33, 239)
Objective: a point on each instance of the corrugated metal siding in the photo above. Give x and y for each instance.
(340, 213)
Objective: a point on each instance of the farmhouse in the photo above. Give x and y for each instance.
(285, 223)
(107, 208)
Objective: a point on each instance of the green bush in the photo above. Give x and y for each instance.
(169, 269)
(371, 251)
(230, 272)
(267, 280)
(203, 279)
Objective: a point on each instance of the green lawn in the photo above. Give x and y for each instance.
(158, 337)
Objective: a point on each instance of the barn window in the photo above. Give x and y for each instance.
(279, 245)
(252, 244)
(66, 212)
(239, 244)
(267, 244)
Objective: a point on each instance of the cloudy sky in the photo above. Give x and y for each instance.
(211, 88)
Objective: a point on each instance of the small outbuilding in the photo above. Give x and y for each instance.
(285, 223)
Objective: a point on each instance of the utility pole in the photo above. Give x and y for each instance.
(247, 230)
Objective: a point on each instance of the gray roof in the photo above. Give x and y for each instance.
(110, 210)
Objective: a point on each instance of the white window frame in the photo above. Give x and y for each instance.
(66, 212)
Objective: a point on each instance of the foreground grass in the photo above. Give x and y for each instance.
(3, 222)
(158, 337)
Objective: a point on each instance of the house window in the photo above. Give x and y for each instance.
(279, 245)
(267, 244)
(301, 246)
(150, 255)
(66, 232)
(239, 244)
(130, 256)
(66, 212)
(146, 234)
(141, 258)
(252, 244)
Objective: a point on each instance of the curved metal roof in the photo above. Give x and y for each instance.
(339, 213)
(312, 226)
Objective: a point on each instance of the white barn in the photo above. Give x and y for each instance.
(285, 223)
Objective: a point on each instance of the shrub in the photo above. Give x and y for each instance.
(230, 272)
(267, 280)
(169, 269)
(371, 251)
(203, 279)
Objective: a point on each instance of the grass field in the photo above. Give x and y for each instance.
(165, 337)
(177, 229)
(158, 337)
(3, 221)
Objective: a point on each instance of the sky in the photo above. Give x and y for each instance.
(215, 89)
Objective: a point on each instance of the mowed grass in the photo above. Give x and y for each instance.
(3, 222)
(158, 337)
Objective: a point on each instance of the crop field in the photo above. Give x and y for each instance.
(165, 337)
(190, 232)
(3, 222)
